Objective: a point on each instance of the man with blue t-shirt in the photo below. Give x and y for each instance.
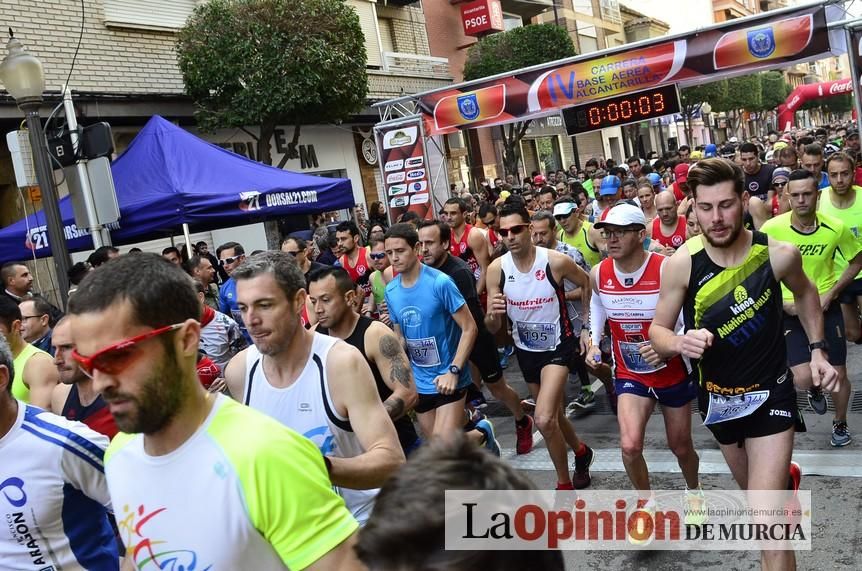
(430, 314)
(230, 256)
(53, 493)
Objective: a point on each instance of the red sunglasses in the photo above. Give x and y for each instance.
(115, 358)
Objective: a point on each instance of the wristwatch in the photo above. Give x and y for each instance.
(818, 345)
(455, 369)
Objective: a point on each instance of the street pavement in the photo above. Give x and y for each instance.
(832, 474)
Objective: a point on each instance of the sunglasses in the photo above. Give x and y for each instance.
(514, 230)
(562, 216)
(116, 358)
(779, 184)
(294, 254)
(377, 255)
(231, 260)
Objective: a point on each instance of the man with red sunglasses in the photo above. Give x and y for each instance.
(53, 494)
(526, 285)
(198, 479)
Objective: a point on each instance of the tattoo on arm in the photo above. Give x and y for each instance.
(394, 407)
(390, 349)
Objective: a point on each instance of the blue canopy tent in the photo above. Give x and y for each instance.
(167, 177)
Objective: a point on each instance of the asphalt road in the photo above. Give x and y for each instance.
(833, 476)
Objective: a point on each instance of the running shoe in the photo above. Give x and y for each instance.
(504, 358)
(581, 477)
(524, 436)
(479, 402)
(639, 525)
(816, 400)
(485, 427)
(794, 477)
(565, 487)
(586, 400)
(695, 507)
(528, 405)
(840, 434)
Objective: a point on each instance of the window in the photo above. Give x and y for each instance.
(512, 21)
(384, 25)
(148, 14)
(368, 21)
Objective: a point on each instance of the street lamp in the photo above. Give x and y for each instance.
(707, 108)
(21, 73)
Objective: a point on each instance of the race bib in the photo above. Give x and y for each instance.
(722, 409)
(634, 361)
(538, 336)
(423, 352)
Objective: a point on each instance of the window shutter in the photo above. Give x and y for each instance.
(150, 14)
(368, 21)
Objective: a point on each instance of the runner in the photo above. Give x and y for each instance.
(244, 492)
(820, 238)
(625, 291)
(230, 256)
(434, 239)
(726, 282)
(75, 397)
(472, 247)
(54, 495)
(330, 291)
(354, 259)
(575, 231)
(431, 316)
(668, 228)
(35, 374)
(839, 200)
(221, 337)
(297, 377)
(298, 248)
(379, 261)
(812, 161)
(526, 285)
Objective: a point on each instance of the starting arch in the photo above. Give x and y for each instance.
(808, 92)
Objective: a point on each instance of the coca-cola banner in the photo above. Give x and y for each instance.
(404, 167)
(760, 42)
(807, 92)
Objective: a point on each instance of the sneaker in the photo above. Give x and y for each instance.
(504, 355)
(524, 436)
(816, 400)
(567, 487)
(528, 405)
(586, 400)
(479, 402)
(639, 524)
(474, 415)
(695, 507)
(794, 478)
(840, 434)
(485, 427)
(581, 477)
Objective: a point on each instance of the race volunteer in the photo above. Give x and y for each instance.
(526, 285)
(726, 282)
(820, 239)
(432, 317)
(625, 292)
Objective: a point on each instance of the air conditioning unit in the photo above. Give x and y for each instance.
(22, 158)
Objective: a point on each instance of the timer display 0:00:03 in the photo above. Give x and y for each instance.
(643, 106)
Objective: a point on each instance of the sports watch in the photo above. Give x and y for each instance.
(455, 369)
(818, 345)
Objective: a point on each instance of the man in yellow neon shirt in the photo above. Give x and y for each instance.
(819, 238)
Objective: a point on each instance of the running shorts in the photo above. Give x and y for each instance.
(675, 396)
(427, 403)
(532, 362)
(833, 332)
(485, 357)
(851, 292)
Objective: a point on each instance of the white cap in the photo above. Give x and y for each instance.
(564, 208)
(623, 214)
(733, 140)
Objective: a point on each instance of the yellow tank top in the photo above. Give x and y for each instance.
(19, 390)
(580, 241)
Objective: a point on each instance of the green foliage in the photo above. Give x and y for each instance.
(265, 62)
(744, 92)
(714, 93)
(774, 90)
(838, 103)
(517, 48)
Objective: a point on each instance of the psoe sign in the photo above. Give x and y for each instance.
(482, 17)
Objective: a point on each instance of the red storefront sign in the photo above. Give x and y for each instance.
(482, 17)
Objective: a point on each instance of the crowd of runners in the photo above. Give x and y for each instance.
(310, 410)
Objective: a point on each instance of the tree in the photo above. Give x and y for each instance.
(692, 98)
(508, 51)
(743, 93)
(773, 90)
(268, 62)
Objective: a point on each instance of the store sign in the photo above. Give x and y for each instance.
(482, 17)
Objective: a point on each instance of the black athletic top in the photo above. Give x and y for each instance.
(742, 307)
(406, 431)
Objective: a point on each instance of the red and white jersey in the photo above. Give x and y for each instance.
(675, 240)
(461, 249)
(630, 301)
(493, 238)
(361, 272)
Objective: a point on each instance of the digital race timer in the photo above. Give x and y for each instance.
(623, 109)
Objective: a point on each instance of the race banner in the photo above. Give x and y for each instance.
(756, 43)
(404, 167)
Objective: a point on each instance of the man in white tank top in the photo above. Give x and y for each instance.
(317, 385)
(526, 285)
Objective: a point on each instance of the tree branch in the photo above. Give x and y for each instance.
(249, 133)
